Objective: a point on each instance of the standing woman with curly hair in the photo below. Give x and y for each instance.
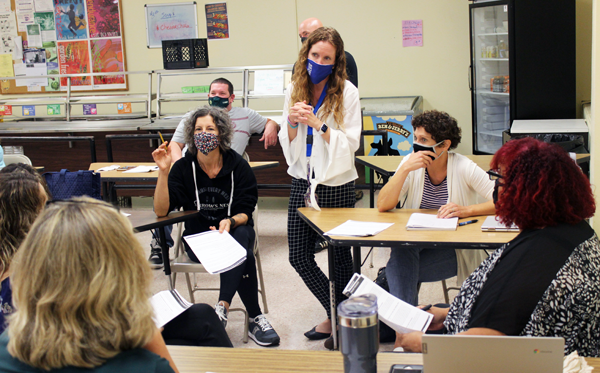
(319, 139)
(433, 177)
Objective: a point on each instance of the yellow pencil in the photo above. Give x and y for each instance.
(163, 140)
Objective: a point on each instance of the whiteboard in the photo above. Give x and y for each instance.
(170, 22)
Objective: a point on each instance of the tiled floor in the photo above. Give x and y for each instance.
(293, 310)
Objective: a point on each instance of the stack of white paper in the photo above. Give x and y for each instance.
(142, 169)
(108, 168)
(358, 229)
(399, 315)
(430, 222)
(168, 304)
(218, 252)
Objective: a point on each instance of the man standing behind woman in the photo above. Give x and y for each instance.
(319, 136)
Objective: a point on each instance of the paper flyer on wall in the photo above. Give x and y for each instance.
(8, 24)
(34, 56)
(46, 22)
(34, 69)
(24, 19)
(6, 65)
(107, 56)
(103, 18)
(70, 19)
(44, 6)
(73, 58)
(34, 36)
(217, 21)
(5, 6)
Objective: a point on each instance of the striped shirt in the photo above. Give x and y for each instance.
(434, 196)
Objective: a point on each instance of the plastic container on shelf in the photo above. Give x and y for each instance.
(185, 53)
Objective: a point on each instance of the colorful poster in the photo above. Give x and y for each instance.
(5, 109)
(53, 109)
(73, 58)
(103, 17)
(89, 109)
(170, 22)
(412, 33)
(124, 108)
(217, 22)
(46, 22)
(107, 56)
(28, 110)
(70, 19)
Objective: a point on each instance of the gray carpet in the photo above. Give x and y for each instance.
(293, 310)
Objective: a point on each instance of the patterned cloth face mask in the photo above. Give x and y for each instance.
(206, 142)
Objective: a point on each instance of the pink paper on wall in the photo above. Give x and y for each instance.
(412, 33)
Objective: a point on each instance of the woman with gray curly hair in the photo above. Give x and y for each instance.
(217, 182)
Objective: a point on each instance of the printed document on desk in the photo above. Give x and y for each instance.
(167, 305)
(218, 252)
(139, 169)
(399, 315)
(430, 222)
(358, 229)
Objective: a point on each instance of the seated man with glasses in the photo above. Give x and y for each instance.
(433, 177)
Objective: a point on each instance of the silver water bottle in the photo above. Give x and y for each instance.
(359, 333)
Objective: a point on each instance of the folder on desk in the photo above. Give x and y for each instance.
(430, 222)
(491, 224)
(399, 315)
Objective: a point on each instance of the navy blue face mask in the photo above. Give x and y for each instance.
(220, 102)
(318, 72)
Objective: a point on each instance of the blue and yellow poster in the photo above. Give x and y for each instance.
(70, 19)
(400, 135)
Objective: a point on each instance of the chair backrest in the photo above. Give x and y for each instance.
(16, 158)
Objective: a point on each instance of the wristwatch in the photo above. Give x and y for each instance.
(323, 129)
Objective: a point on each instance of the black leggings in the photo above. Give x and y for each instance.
(242, 278)
(199, 325)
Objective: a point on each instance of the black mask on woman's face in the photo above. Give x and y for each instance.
(495, 194)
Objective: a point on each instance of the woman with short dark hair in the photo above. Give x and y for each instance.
(546, 281)
(434, 177)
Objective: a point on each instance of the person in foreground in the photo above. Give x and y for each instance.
(319, 139)
(546, 281)
(80, 290)
(214, 180)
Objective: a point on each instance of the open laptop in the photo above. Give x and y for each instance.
(492, 225)
(491, 354)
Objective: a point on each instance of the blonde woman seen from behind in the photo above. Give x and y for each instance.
(80, 289)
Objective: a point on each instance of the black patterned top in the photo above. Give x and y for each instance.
(545, 282)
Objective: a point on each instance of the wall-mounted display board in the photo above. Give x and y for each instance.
(67, 37)
(170, 22)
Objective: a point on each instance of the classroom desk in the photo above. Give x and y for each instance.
(147, 220)
(241, 360)
(110, 178)
(466, 237)
(387, 165)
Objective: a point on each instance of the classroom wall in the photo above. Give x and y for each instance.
(265, 33)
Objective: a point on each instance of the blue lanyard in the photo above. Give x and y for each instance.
(310, 129)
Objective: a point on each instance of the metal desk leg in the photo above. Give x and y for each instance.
(331, 262)
(165, 255)
(372, 187)
(356, 259)
(105, 195)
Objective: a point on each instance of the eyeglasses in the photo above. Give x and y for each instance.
(494, 174)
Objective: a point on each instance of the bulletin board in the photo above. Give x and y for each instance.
(170, 22)
(73, 37)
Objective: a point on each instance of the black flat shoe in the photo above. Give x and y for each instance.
(314, 335)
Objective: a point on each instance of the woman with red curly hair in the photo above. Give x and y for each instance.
(546, 281)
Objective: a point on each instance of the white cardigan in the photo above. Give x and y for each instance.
(466, 180)
(333, 163)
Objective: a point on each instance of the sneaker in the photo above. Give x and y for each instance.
(320, 245)
(155, 260)
(221, 312)
(261, 332)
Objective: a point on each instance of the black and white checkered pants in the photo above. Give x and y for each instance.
(302, 238)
